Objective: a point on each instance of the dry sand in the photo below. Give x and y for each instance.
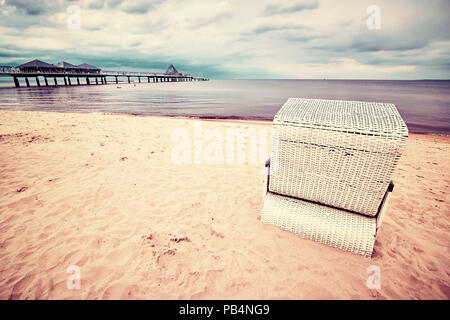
(101, 192)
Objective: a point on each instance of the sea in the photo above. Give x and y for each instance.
(423, 104)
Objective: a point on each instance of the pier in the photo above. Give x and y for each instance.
(65, 74)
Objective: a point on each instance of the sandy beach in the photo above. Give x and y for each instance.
(102, 192)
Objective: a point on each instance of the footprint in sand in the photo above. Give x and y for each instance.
(22, 189)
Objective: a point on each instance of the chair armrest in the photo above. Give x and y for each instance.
(384, 204)
(266, 172)
(391, 187)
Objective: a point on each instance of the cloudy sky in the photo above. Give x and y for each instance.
(235, 38)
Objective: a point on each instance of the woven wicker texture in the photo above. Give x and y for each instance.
(334, 227)
(339, 153)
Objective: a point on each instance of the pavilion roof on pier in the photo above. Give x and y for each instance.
(172, 70)
(67, 65)
(37, 64)
(87, 67)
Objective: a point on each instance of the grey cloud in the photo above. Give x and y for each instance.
(113, 3)
(5, 54)
(19, 22)
(290, 32)
(124, 60)
(388, 45)
(215, 19)
(33, 8)
(96, 28)
(277, 27)
(275, 9)
(140, 6)
(99, 4)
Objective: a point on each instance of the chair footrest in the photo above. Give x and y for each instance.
(334, 227)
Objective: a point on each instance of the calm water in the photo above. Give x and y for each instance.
(425, 105)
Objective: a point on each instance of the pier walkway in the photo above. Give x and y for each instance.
(73, 78)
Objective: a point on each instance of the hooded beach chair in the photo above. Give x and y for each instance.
(329, 175)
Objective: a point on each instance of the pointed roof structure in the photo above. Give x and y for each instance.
(37, 64)
(171, 70)
(66, 65)
(87, 67)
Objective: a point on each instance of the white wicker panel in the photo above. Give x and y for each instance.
(334, 227)
(340, 153)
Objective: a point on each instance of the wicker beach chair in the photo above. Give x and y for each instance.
(329, 176)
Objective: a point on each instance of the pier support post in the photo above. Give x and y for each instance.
(128, 79)
(26, 80)
(148, 79)
(56, 82)
(87, 80)
(139, 79)
(65, 81)
(70, 83)
(37, 82)
(16, 82)
(96, 80)
(78, 81)
(46, 81)
(117, 81)
(106, 81)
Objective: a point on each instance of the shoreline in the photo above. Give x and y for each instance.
(254, 119)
